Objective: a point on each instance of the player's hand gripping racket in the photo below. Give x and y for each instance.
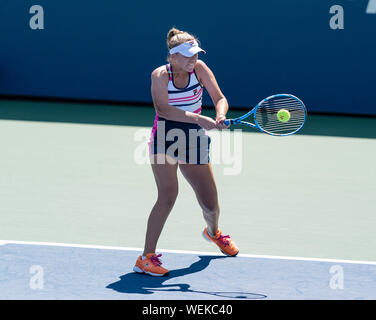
(278, 115)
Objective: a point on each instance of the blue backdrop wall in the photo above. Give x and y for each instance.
(106, 50)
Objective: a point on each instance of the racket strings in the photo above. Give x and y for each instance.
(266, 115)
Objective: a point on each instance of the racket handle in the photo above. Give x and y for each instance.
(227, 122)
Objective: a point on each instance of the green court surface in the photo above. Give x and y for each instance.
(70, 173)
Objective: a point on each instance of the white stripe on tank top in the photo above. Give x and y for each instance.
(188, 98)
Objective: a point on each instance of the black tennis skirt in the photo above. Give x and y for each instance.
(185, 142)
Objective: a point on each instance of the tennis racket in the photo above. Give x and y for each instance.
(277, 115)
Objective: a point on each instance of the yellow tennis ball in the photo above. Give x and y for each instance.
(283, 115)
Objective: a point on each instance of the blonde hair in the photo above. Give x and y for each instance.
(176, 37)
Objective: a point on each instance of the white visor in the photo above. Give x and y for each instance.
(187, 49)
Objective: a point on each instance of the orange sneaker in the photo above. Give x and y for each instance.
(150, 265)
(225, 244)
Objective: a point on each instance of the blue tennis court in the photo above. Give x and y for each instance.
(92, 103)
(53, 271)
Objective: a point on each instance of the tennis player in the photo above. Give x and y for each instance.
(178, 139)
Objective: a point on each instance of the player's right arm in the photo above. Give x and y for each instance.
(159, 92)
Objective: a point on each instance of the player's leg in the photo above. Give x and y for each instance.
(201, 178)
(165, 174)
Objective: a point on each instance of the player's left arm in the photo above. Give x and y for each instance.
(207, 78)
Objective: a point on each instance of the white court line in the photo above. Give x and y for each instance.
(57, 244)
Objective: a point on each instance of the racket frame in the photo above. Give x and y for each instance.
(239, 120)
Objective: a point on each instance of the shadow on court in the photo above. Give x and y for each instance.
(140, 115)
(134, 283)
